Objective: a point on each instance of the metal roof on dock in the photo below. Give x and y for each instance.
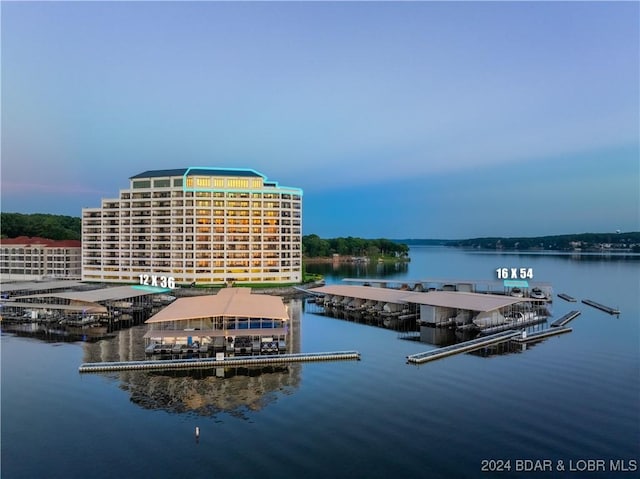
(97, 295)
(447, 299)
(233, 302)
(484, 282)
(39, 286)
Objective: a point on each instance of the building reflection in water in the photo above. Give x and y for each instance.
(205, 392)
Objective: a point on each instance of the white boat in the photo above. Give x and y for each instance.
(520, 317)
(484, 320)
(537, 293)
(517, 292)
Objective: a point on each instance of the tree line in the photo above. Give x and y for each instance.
(60, 227)
(313, 247)
(55, 227)
(584, 241)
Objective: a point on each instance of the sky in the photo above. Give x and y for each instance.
(397, 119)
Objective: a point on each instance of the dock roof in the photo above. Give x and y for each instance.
(104, 294)
(39, 286)
(484, 282)
(232, 302)
(447, 299)
(468, 301)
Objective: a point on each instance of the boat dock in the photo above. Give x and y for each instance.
(215, 362)
(566, 297)
(541, 334)
(602, 307)
(462, 347)
(565, 319)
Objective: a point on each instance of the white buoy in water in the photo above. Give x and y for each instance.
(197, 431)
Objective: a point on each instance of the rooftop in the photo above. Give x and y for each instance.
(38, 241)
(96, 295)
(232, 302)
(447, 299)
(203, 171)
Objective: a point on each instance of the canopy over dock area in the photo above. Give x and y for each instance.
(22, 288)
(103, 302)
(233, 320)
(447, 299)
(428, 307)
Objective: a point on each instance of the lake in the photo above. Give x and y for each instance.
(569, 402)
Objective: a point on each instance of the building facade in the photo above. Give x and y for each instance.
(26, 258)
(195, 225)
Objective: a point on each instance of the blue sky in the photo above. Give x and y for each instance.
(398, 120)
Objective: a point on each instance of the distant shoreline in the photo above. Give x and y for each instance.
(627, 242)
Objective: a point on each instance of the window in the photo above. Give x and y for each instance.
(238, 183)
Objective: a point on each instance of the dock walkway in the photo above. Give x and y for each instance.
(462, 347)
(542, 334)
(565, 319)
(566, 297)
(215, 363)
(601, 307)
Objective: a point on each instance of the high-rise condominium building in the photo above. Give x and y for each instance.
(202, 225)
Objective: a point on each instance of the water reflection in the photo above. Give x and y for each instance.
(55, 333)
(370, 269)
(204, 392)
(208, 393)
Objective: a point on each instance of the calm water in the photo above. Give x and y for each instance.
(573, 397)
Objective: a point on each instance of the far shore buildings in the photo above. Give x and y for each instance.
(195, 226)
(31, 258)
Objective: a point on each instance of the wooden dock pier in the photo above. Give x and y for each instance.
(566, 297)
(162, 364)
(462, 347)
(601, 307)
(565, 319)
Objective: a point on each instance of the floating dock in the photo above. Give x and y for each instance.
(566, 297)
(462, 347)
(215, 363)
(565, 319)
(542, 334)
(602, 307)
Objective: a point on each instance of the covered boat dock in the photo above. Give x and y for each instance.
(233, 321)
(433, 308)
(83, 307)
